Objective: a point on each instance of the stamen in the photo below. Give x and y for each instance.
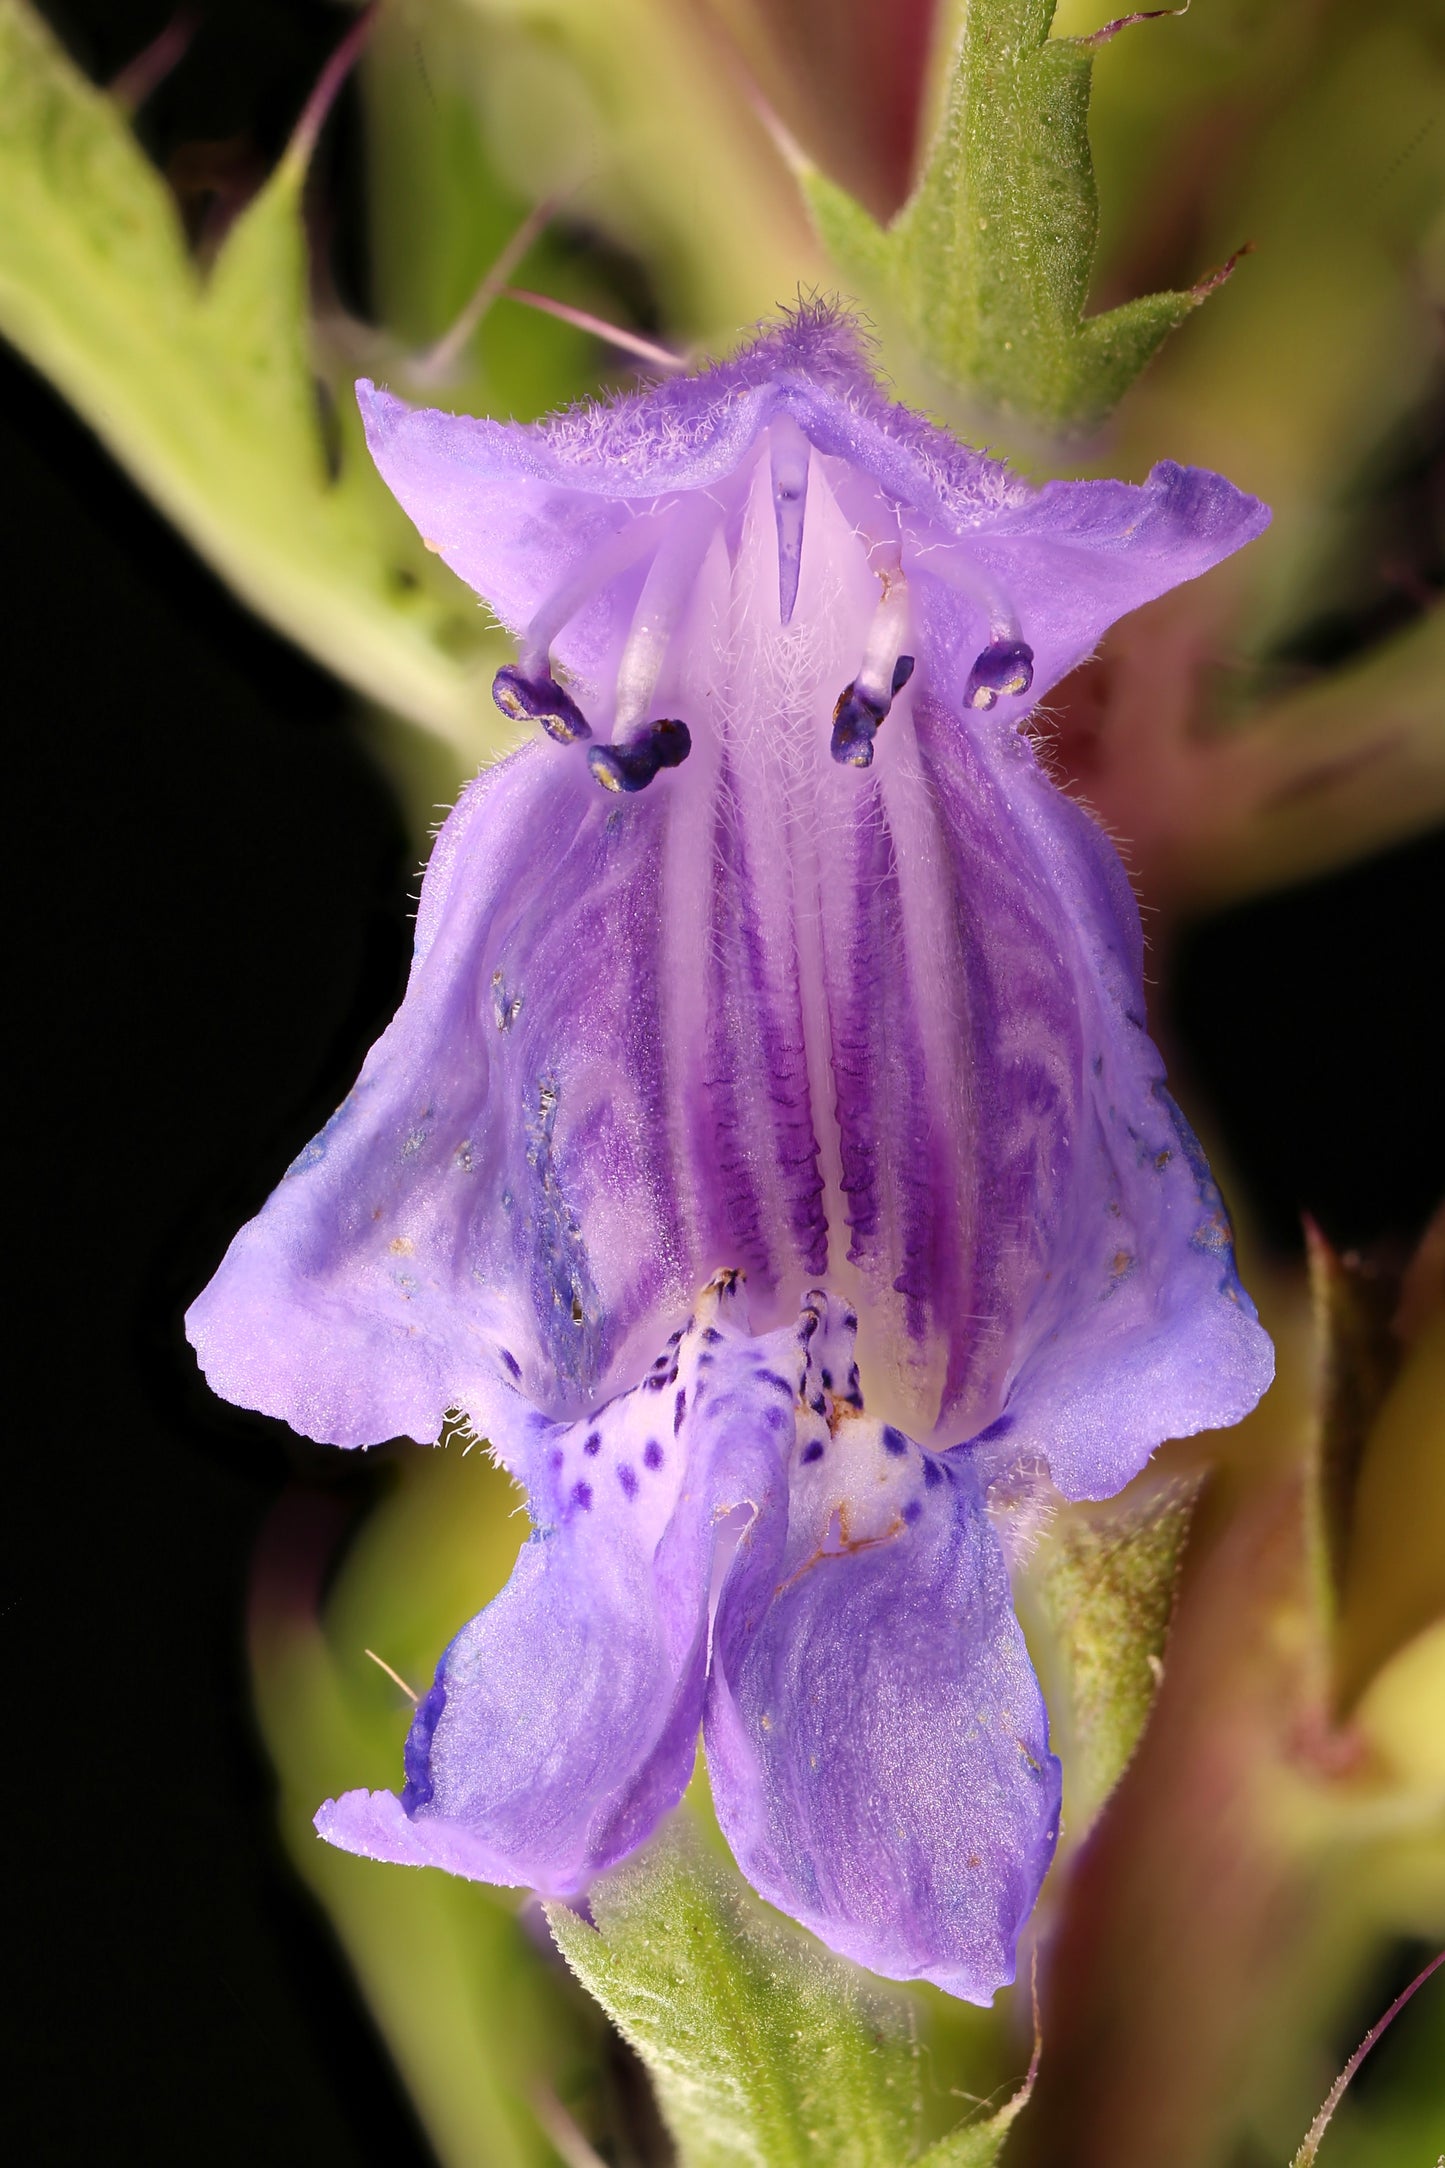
(612, 557)
(789, 452)
(632, 766)
(883, 673)
(527, 690)
(540, 700)
(1005, 667)
(666, 593)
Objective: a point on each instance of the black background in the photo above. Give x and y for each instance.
(206, 925)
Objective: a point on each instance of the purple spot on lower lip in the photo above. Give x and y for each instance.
(932, 1473)
(582, 1496)
(813, 1452)
(912, 1510)
(652, 1454)
(627, 1478)
(894, 1441)
(679, 1411)
(592, 1443)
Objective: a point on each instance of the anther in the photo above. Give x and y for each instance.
(633, 764)
(1004, 669)
(855, 725)
(539, 700)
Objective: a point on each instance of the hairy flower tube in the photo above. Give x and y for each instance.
(775, 958)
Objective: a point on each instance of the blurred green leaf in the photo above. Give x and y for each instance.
(639, 107)
(207, 390)
(766, 2051)
(988, 263)
(980, 2144)
(1316, 132)
(441, 212)
(1106, 1578)
(1358, 1359)
(1348, 763)
(1391, 1583)
(1377, 1468)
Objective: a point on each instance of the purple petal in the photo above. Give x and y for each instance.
(781, 1014)
(513, 508)
(876, 1738)
(1062, 1243)
(563, 1722)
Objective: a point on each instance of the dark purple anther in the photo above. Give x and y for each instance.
(1004, 667)
(632, 766)
(858, 714)
(855, 725)
(540, 700)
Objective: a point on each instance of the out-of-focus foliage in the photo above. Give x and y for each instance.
(1288, 715)
(1106, 1579)
(1379, 1483)
(205, 384)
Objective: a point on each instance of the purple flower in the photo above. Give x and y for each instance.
(775, 953)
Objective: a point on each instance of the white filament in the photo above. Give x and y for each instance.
(598, 569)
(887, 631)
(661, 607)
(968, 577)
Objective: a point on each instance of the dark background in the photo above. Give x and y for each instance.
(207, 924)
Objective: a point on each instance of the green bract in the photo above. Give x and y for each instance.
(766, 2052)
(1106, 1579)
(988, 263)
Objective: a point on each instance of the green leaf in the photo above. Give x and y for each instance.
(988, 263)
(1357, 1359)
(1377, 1474)
(766, 2052)
(207, 391)
(1106, 1578)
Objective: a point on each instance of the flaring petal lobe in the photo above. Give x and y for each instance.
(876, 1739)
(563, 1721)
